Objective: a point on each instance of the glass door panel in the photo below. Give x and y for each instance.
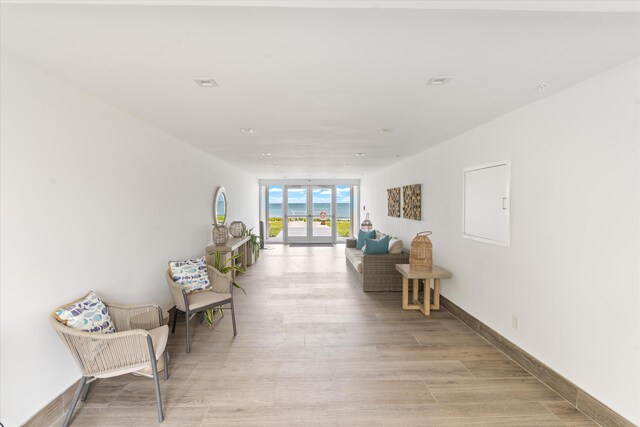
(275, 213)
(344, 211)
(296, 203)
(322, 228)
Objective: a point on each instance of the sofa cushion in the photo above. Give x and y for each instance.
(395, 246)
(379, 235)
(86, 314)
(373, 246)
(354, 256)
(362, 235)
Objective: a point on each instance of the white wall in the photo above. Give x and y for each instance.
(571, 274)
(92, 198)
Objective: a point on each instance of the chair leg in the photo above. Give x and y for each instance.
(166, 364)
(188, 337)
(175, 320)
(74, 402)
(156, 380)
(233, 318)
(85, 391)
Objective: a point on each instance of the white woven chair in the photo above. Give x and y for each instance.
(221, 293)
(136, 346)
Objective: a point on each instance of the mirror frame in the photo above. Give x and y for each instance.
(220, 191)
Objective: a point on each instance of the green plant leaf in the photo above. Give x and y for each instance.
(208, 316)
(235, 284)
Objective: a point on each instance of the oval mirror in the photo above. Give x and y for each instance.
(220, 206)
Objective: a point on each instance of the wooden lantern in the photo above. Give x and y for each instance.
(237, 228)
(421, 254)
(220, 235)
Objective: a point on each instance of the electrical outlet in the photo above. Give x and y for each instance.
(515, 322)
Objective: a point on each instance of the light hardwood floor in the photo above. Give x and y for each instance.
(313, 349)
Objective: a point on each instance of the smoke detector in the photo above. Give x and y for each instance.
(439, 80)
(207, 82)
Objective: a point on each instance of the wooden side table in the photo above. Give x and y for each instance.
(429, 277)
(234, 246)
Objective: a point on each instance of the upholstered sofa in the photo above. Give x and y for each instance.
(376, 272)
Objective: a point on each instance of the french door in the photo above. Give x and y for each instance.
(309, 213)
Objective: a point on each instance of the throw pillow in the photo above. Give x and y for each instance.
(373, 246)
(191, 274)
(395, 246)
(362, 235)
(86, 314)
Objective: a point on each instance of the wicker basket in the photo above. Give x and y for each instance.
(220, 235)
(237, 228)
(421, 255)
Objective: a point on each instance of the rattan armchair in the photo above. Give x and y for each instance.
(136, 346)
(221, 293)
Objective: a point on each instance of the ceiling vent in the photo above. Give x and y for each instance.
(439, 80)
(205, 82)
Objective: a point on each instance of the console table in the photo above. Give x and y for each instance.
(429, 276)
(235, 246)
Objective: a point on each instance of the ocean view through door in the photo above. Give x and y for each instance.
(321, 213)
(308, 214)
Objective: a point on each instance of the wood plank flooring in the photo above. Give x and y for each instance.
(313, 349)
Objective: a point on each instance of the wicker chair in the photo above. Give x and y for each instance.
(221, 293)
(136, 346)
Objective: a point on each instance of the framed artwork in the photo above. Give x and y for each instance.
(412, 199)
(393, 202)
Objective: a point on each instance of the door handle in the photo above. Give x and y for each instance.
(505, 203)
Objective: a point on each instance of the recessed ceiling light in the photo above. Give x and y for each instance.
(265, 154)
(247, 131)
(386, 130)
(206, 82)
(275, 165)
(347, 165)
(361, 154)
(439, 80)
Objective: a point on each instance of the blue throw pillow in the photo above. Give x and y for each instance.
(373, 246)
(362, 235)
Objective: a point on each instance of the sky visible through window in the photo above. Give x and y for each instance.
(320, 195)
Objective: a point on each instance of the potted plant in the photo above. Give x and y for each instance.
(224, 267)
(254, 246)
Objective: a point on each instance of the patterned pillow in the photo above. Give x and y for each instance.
(379, 235)
(86, 314)
(191, 274)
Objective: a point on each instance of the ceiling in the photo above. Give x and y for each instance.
(317, 83)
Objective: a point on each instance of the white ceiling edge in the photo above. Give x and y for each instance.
(512, 5)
